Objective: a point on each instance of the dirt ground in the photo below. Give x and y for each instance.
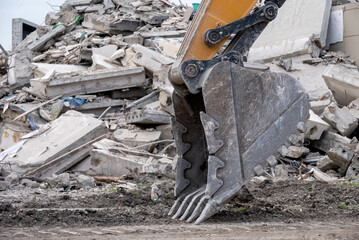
(292, 209)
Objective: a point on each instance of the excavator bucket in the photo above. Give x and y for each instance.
(229, 132)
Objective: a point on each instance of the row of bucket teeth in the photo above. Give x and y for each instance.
(188, 206)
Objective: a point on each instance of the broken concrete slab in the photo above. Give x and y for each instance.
(315, 126)
(291, 34)
(91, 82)
(310, 78)
(341, 119)
(38, 44)
(71, 130)
(137, 138)
(64, 162)
(329, 140)
(41, 69)
(107, 159)
(343, 81)
(150, 117)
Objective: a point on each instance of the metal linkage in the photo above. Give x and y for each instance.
(265, 14)
(192, 70)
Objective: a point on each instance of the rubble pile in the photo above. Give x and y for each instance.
(88, 92)
(88, 95)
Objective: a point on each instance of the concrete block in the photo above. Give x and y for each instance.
(40, 43)
(51, 18)
(341, 119)
(341, 156)
(80, 2)
(91, 82)
(101, 57)
(293, 151)
(68, 132)
(135, 38)
(155, 64)
(343, 81)
(107, 160)
(20, 71)
(136, 138)
(315, 126)
(150, 117)
(291, 33)
(325, 164)
(330, 140)
(21, 28)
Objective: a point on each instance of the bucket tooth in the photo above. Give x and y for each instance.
(208, 211)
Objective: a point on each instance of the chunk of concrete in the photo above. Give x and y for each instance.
(341, 156)
(329, 140)
(96, 22)
(147, 117)
(325, 164)
(343, 81)
(156, 64)
(99, 105)
(108, 159)
(38, 44)
(318, 106)
(101, 57)
(84, 181)
(315, 126)
(137, 138)
(353, 169)
(291, 33)
(91, 82)
(341, 119)
(68, 132)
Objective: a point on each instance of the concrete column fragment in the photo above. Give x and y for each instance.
(91, 82)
